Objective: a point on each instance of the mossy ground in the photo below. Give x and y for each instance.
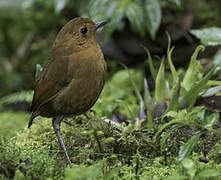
(97, 149)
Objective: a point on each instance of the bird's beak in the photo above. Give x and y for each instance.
(100, 24)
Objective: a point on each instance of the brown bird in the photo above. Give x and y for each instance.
(73, 79)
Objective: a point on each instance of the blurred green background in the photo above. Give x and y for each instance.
(29, 27)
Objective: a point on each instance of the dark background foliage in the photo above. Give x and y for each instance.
(28, 29)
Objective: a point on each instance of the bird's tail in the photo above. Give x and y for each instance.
(33, 115)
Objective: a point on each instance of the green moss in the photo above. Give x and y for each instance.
(12, 123)
(97, 150)
(30, 163)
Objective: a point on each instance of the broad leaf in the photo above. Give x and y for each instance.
(134, 13)
(102, 9)
(211, 91)
(208, 36)
(153, 11)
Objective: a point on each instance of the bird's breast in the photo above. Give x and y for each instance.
(84, 88)
(79, 96)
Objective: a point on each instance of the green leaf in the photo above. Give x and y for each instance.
(142, 15)
(147, 97)
(172, 114)
(193, 73)
(187, 148)
(190, 97)
(172, 68)
(108, 140)
(210, 120)
(134, 13)
(102, 9)
(149, 120)
(187, 163)
(211, 91)
(189, 166)
(217, 58)
(19, 175)
(160, 90)
(153, 12)
(174, 102)
(169, 42)
(148, 102)
(208, 173)
(208, 36)
(150, 62)
(214, 82)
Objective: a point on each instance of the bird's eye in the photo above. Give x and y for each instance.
(84, 30)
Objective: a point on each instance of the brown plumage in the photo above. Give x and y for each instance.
(73, 79)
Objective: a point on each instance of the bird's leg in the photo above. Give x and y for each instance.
(86, 116)
(56, 122)
(91, 111)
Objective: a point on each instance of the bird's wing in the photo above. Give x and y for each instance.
(52, 79)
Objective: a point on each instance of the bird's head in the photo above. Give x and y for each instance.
(79, 32)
